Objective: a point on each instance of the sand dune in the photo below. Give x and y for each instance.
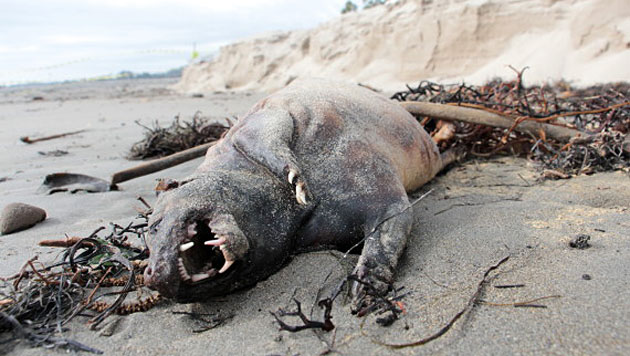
(583, 41)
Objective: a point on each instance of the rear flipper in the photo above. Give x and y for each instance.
(381, 252)
(267, 140)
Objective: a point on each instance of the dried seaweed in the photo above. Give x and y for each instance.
(163, 141)
(326, 325)
(91, 278)
(600, 111)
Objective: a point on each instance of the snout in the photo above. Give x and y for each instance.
(150, 278)
(158, 276)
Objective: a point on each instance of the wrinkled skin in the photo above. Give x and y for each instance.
(317, 165)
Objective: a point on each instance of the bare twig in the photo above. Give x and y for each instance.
(520, 304)
(211, 321)
(66, 242)
(386, 219)
(505, 286)
(29, 140)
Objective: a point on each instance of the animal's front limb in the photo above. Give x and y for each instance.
(383, 246)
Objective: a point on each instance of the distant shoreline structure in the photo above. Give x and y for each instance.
(125, 74)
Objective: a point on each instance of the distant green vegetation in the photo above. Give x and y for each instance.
(351, 6)
(176, 72)
(371, 3)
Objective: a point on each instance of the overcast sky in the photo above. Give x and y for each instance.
(45, 40)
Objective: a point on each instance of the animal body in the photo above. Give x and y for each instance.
(319, 164)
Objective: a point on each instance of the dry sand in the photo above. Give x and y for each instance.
(477, 214)
(581, 41)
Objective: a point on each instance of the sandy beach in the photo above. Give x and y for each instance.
(477, 214)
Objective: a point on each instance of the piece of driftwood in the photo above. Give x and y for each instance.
(475, 116)
(29, 140)
(161, 163)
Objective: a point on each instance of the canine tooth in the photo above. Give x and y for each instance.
(218, 242)
(300, 194)
(192, 229)
(199, 277)
(292, 175)
(186, 246)
(226, 265)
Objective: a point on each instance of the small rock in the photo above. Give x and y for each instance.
(110, 327)
(19, 216)
(586, 277)
(580, 242)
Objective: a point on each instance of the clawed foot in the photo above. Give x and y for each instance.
(365, 292)
(375, 297)
(300, 187)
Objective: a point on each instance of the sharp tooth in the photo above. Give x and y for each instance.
(300, 194)
(292, 174)
(199, 277)
(186, 246)
(192, 230)
(182, 269)
(226, 265)
(228, 261)
(218, 242)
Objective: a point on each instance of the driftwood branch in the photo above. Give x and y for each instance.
(481, 117)
(161, 163)
(29, 140)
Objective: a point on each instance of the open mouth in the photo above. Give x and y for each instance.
(203, 254)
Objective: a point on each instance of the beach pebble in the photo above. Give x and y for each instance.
(19, 216)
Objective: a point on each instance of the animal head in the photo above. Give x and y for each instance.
(213, 235)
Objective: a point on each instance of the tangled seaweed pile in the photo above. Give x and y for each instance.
(163, 141)
(602, 112)
(92, 278)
